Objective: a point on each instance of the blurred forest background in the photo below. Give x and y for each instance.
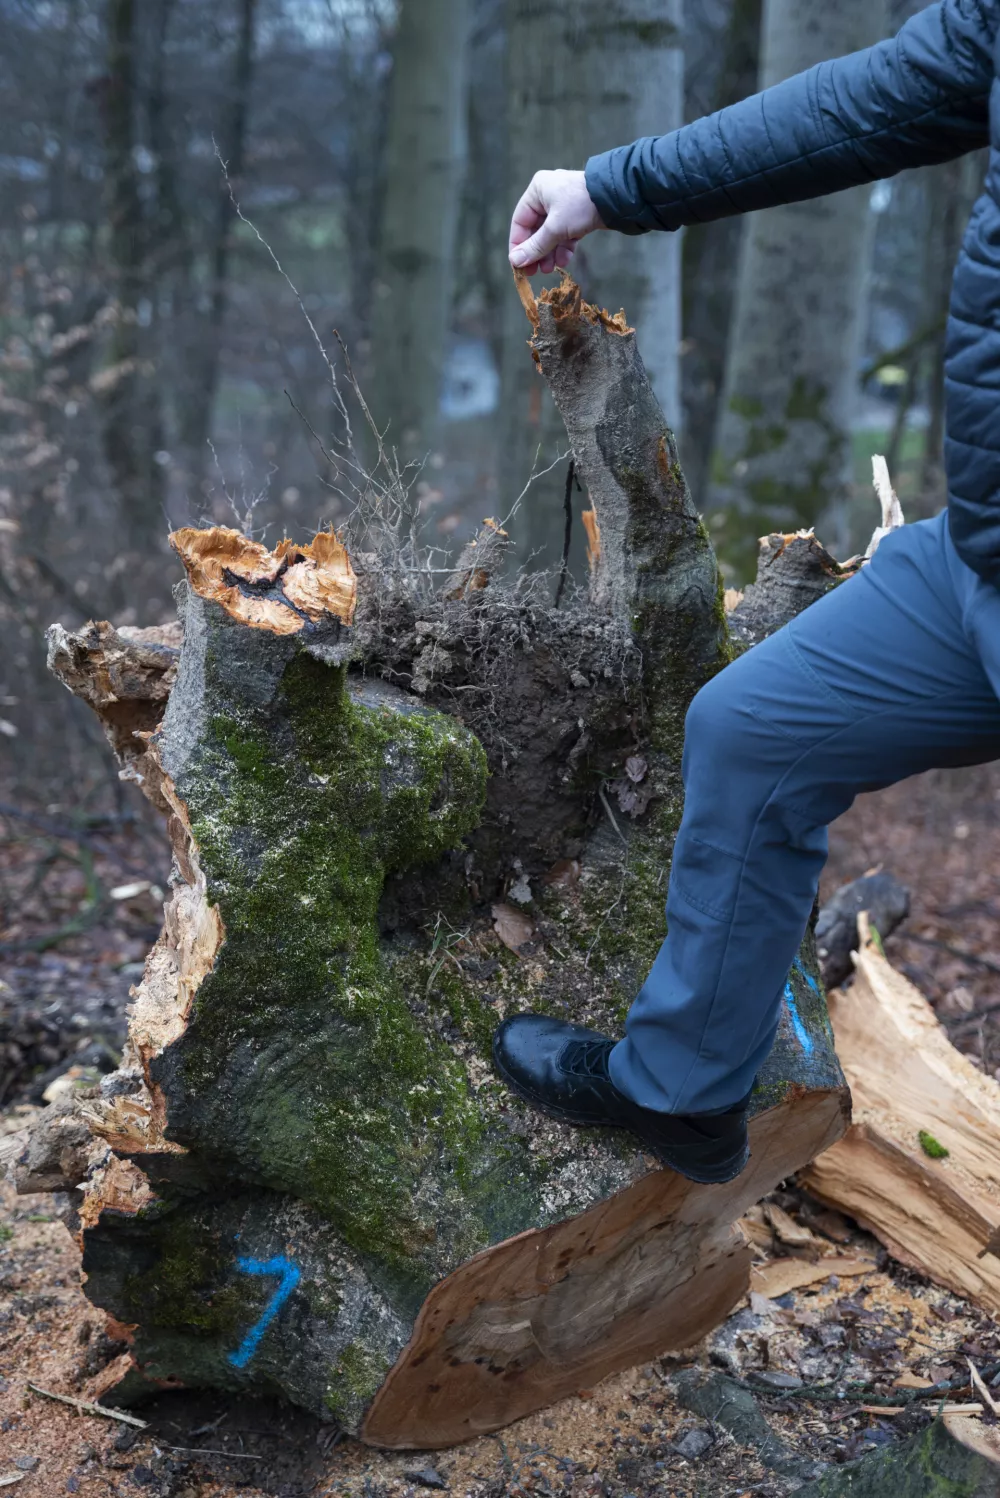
(157, 367)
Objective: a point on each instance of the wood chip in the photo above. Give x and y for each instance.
(787, 1231)
(9, 1479)
(86, 1408)
(910, 1380)
(782, 1275)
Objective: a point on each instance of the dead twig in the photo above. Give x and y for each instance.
(87, 1408)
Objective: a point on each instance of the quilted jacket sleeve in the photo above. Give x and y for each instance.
(921, 97)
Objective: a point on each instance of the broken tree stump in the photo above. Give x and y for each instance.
(920, 1165)
(312, 1183)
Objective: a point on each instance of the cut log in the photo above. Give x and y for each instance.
(955, 1455)
(920, 1165)
(312, 1182)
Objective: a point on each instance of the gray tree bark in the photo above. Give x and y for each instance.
(585, 76)
(425, 153)
(782, 449)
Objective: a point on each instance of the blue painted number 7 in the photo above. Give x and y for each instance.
(288, 1278)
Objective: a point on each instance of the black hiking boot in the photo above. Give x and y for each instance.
(562, 1070)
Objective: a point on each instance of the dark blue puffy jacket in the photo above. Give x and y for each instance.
(930, 94)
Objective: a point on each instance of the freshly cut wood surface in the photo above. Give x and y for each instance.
(538, 1317)
(938, 1215)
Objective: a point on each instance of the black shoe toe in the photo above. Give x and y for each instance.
(534, 1054)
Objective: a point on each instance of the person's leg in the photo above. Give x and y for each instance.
(879, 680)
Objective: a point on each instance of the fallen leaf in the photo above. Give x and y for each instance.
(636, 767)
(633, 799)
(565, 872)
(512, 926)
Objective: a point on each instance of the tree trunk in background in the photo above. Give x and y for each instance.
(586, 75)
(425, 152)
(196, 396)
(131, 433)
(952, 189)
(782, 450)
(710, 262)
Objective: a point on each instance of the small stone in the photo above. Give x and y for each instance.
(579, 680)
(426, 1477)
(693, 1445)
(779, 1380)
(26, 1463)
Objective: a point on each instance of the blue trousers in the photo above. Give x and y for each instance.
(894, 672)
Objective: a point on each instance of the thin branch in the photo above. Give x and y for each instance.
(292, 288)
(87, 1408)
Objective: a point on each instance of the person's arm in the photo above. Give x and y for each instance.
(919, 98)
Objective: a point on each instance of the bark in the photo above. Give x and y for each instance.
(782, 447)
(312, 1183)
(584, 77)
(425, 155)
(918, 1166)
(954, 1456)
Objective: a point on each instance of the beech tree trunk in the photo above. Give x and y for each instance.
(425, 153)
(782, 447)
(396, 816)
(584, 76)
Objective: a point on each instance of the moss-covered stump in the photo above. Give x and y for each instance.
(955, 1457)
(396, 816)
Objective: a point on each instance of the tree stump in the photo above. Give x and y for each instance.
(397, 815)
(954, 1456)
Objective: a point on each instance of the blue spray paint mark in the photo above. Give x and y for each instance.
(288, 1277)
(808, 976)
(802, 1035)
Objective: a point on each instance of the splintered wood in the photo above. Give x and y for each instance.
(281, 590)
(920, 1166)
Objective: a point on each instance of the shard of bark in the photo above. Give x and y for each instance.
(312, 1182)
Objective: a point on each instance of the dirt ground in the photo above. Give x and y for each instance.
(823, 1362)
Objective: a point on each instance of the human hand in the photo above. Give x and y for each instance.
(550, 220)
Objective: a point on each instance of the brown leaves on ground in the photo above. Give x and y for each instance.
(512, 926)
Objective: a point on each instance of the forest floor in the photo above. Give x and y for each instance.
(79, 907)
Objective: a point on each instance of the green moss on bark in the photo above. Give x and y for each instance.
(300, 810)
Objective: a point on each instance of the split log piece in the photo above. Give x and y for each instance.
(920, 1165)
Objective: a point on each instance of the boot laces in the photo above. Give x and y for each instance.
(587, 1058)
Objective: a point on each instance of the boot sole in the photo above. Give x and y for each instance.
(728, 1171)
